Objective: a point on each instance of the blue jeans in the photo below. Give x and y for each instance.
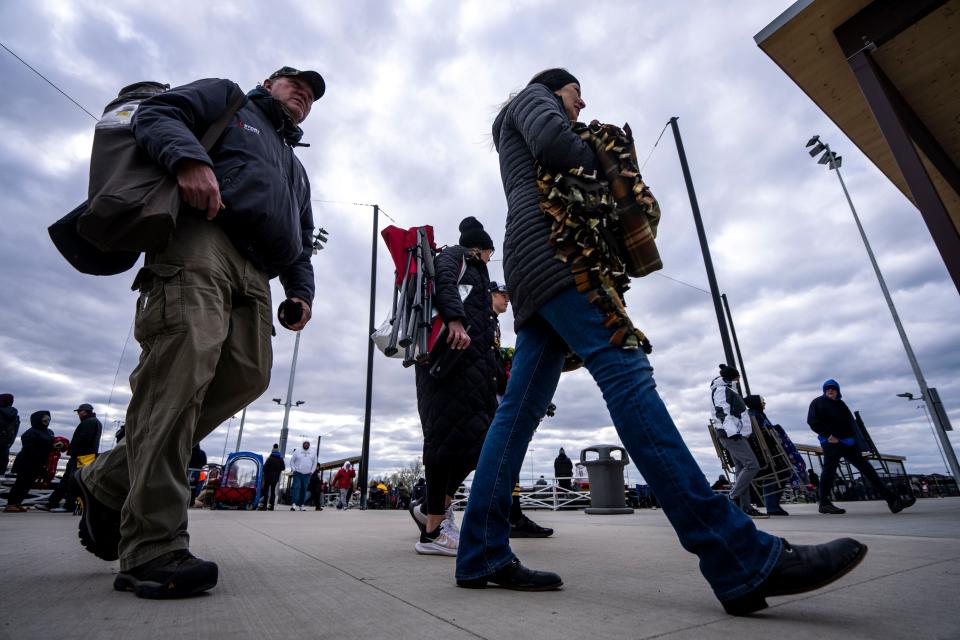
(298, 493)
(734, 556)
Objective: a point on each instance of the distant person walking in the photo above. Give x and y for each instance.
(302, 463)
(84, 447)
(9, 428)
(272, 469)
(733, 432)
(31, 461)
(343, 482)
(831, 419)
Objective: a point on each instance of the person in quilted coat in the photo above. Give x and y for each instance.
(457, 408)
(743, 565)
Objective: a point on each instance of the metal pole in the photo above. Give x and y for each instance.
(365, 450)
(934, 430)
(924, 392)
(704, 247)
(286, 405)
(736, 344)
(243, 416)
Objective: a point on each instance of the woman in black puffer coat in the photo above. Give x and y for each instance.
(457, 408)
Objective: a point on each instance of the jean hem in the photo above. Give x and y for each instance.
(759, 578)
(150, 552)
(492, 568)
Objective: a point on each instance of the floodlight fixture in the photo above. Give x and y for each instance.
(817, 149)
(812, 141)
(278, 400)
(907, 395)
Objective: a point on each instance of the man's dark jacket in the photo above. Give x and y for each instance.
(563, 466)
(262, 183)
(457, 409)
(9, 426)
(831, 418)
(86, 437)
(273, 467)
(198, 458)
(533, 127)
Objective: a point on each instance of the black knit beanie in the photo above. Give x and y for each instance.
(553, 79)
(472, 235)
(728, 373)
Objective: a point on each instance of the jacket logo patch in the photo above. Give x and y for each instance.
(240, 124)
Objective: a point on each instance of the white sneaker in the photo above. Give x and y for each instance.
(442, 545)
(302, 508)
(449, 524)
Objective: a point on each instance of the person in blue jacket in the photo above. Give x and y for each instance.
(831, 419)
(204, 313)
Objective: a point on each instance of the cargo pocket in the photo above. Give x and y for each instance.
(160, 307)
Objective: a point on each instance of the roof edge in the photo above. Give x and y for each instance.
(781, 20)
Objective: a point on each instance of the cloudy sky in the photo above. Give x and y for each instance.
(412, 89)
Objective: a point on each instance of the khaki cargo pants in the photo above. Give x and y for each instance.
(204, 322)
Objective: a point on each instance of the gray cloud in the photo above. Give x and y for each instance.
(412, 90)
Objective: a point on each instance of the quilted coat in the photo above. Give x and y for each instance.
(531, 128)
(457, 409)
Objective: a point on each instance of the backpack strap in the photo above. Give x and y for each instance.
(237, 98)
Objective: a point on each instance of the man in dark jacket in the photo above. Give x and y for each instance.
(204, 314)
(563, 469)
(9, 428)
(85, 442)
(835, 427)
(31, 461)
(272, 469)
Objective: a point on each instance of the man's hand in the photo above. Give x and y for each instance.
(457, 336)
(832, 440)
(199, 188)
(304, 319)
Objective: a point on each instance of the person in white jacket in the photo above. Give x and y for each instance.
(302, 463)
(731, 412)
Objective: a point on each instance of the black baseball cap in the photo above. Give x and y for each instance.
(497, 288)
(84, 407)
(314, 79)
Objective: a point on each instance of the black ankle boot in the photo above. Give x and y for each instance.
(517, 577)
(899, 504)
(801, 568)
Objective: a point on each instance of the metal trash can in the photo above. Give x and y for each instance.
(607, 495)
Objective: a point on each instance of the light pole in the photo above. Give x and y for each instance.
(923, 407)
(833, 162)
(365, 447)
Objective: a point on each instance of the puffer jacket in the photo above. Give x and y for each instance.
(457, 409)
(37, 442)
(533, 127)
(9, 425)
(262, 183)
(729, 407)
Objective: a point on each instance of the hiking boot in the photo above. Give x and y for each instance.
(527, 528)
(831, 509)
(176, 574)
(899, 504)
(517, 577)
(418, 516)
(801, 568)
(438, 543)
(777, 512)
(753, 513)
(14, 508)
(100, 525)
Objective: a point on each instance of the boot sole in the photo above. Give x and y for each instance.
(85, 534)
(526, 534)
(483, 583)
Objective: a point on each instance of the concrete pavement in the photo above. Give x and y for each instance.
(354, 575)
